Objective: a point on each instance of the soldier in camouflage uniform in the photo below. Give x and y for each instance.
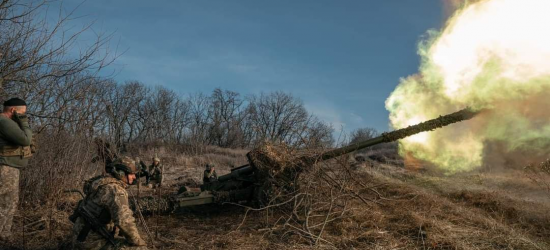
(142, 171)
(106, 204)
(156, 171)
(15, 150)
(210, 174)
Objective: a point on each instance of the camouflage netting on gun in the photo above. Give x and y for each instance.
(439, 122)
(276, 158)
(152, 205)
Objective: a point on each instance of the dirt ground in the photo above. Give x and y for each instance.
(404, 209)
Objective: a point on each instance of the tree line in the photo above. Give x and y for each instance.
(66, 94)
(135, 113)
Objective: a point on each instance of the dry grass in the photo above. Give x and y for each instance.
(373, 206)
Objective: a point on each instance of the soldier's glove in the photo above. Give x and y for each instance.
(20, 119)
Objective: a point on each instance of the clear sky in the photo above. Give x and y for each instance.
(342, 58)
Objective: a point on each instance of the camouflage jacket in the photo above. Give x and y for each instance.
(12, 137)
(155, 168)
(107, 199)
(156, 171)
(209, 176)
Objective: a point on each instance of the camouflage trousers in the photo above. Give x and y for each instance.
(9, 196)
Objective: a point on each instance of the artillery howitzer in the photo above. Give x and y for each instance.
(274, 168)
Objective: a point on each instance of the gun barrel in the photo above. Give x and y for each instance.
(236, 172)
(429, 125)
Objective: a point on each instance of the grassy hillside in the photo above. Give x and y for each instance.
(388, 207)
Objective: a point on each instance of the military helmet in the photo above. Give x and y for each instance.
(121, 166)
(156, 159)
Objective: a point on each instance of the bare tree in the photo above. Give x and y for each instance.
(317, 134)
(181, 120)
(199, 104)
(276, 115)
(362, 134)
(226, 118)
(33, 50)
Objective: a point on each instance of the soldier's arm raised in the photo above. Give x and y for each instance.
(116, 200)
(142, 165)
(11, 131)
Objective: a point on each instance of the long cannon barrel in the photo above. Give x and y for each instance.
(441, 121)
(429, 125)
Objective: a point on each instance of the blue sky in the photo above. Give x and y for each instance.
(342, 58)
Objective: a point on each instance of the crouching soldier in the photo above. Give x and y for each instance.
(103, 219)
(156, 171)
(210, 174)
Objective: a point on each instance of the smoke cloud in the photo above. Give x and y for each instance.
(492, 54)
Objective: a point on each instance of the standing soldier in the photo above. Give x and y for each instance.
(156, 171)
(210, 174)
(15, 150)
(103, 219)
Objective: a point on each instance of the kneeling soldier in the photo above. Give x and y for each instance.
(103, 219)
(156, 171)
